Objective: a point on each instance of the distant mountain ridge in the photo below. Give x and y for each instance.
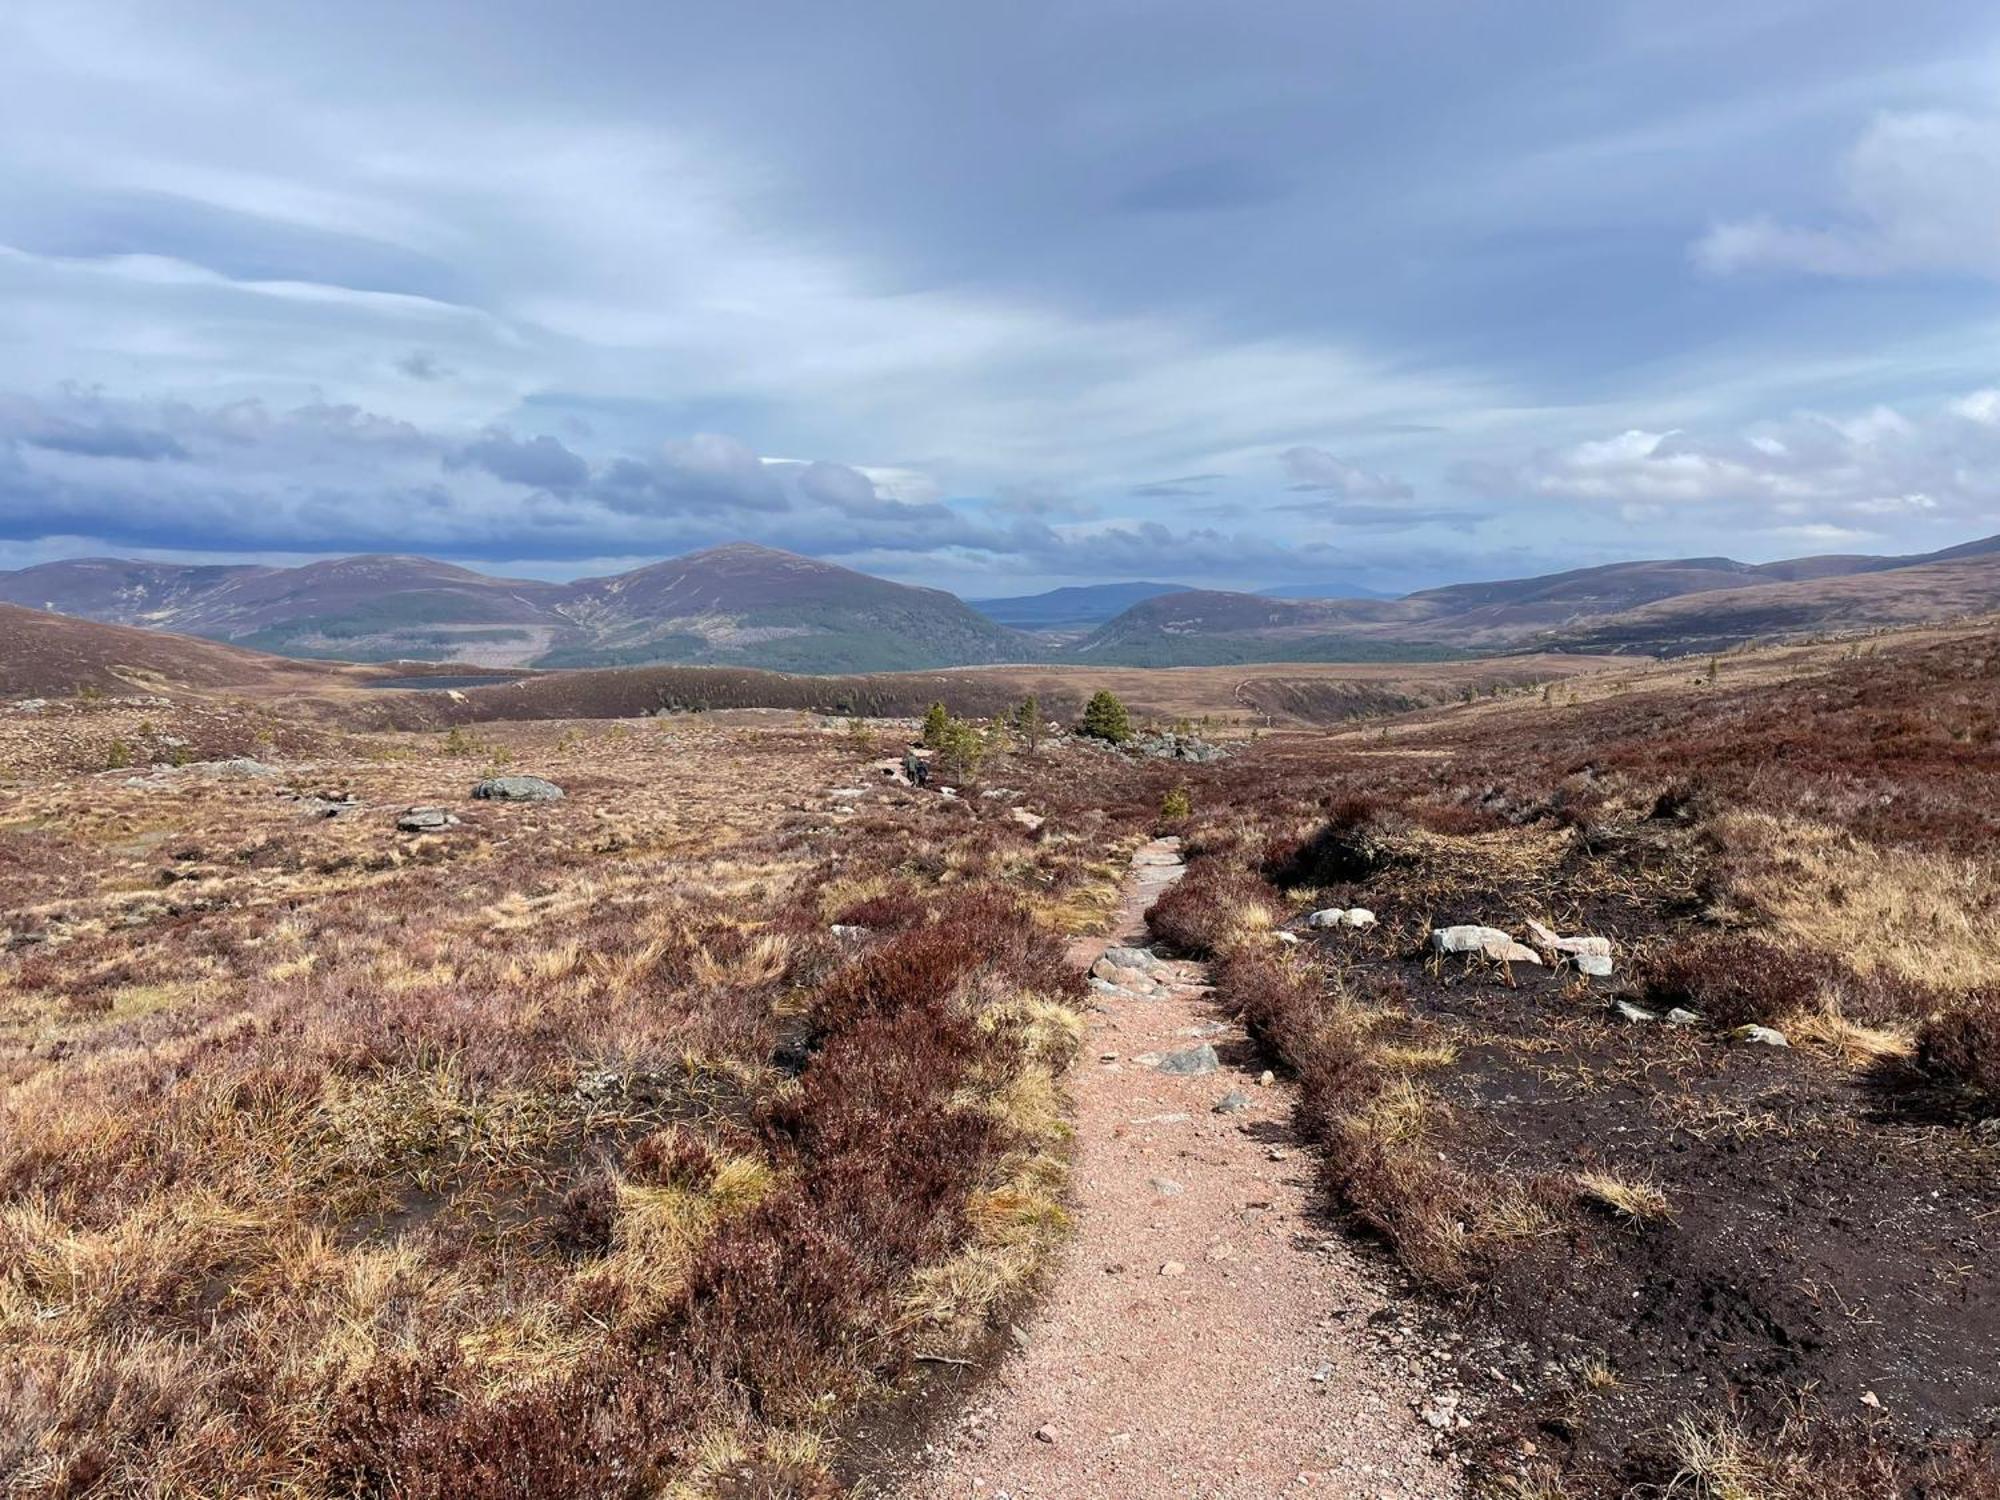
(753, 606)
(1662, 606)
(737, 605)
(1078, 604)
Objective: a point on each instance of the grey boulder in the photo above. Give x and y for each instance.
(518, 789)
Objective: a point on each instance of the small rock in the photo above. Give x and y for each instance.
(426, 820)
(1285, 937)
(517, 789)
(1627, 1011)
(1762, 1036)
(1166, 1187)
(1680, 1017)
(1131, 958)
(1266, 1078)
(1335, 916)
(1596, 965)
(1045, 1434)
(1173, 1268)
(1190, 1061)
(1235, 1102)
(1467, 939)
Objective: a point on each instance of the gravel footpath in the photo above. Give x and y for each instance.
(1204, 1336)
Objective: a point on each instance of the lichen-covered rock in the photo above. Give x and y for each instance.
(517, 789)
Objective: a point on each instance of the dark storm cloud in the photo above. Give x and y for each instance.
(540, 462)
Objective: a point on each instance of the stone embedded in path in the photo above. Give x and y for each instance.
(1190, 1061)
(1762, 1036)
(517, 789)
(1235, 1102)
(1119, 992)
(1131, 958)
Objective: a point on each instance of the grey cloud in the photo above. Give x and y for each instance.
(1923, 194)
(540, 462)
(1316, 469)
(1383, 517)
(89, 430)
(421, 364)
(1171, 489)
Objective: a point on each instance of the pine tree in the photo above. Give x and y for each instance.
(1028, 723)
(936, 719)
(1105, 718)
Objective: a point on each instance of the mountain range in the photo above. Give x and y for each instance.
(747, 605)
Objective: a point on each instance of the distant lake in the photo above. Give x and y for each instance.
(439, 684)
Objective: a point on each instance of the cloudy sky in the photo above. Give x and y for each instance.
(1000, 297)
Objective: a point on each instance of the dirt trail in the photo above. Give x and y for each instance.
(1204, 1337)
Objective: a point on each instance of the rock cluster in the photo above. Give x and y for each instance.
(1336, 916)
(1171, 746)
(1589, 955)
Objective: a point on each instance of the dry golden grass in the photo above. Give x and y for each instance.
(407, 1075)
(1640, 1201)
(1924, 917)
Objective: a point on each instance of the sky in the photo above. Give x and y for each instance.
(1005, 297)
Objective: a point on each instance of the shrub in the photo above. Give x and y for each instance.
(1960, 1047)
(1177, 806)
(1209, 909)
(1738, 979)
(1357, 840)
(1105, 718)
(118, 757)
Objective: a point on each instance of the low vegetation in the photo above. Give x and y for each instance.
(567, 1150)
(1682, 1263)
(633, 1144)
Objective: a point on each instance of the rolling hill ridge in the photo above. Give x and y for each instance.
(751, 606)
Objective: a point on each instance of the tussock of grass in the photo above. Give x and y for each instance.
(1639, 1201)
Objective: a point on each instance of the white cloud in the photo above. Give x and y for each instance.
(1879, 468)
(1923, 194)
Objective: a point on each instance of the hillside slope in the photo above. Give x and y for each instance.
(747, 605)
(1073, 607)
(44, 655)
(1676, 605)
(736, 605)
